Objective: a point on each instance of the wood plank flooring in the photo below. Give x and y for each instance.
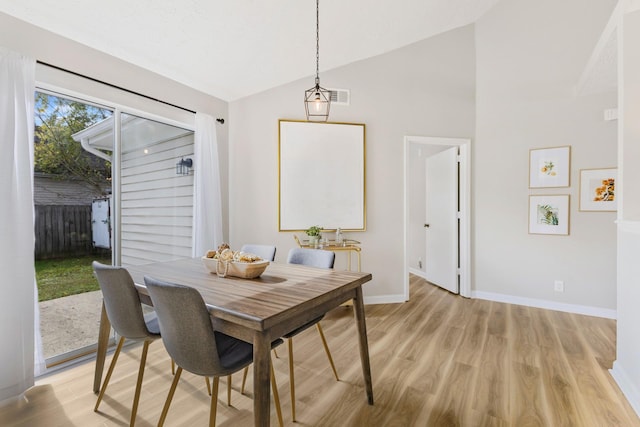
(437, 360)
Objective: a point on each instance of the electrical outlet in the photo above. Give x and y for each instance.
(558, 286)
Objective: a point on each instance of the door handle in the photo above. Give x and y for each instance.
(426, 226)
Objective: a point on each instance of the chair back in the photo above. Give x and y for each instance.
(311, 257)
(265, 252)
(185, 326)
(121, 301)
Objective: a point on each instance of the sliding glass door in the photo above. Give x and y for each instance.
(125, 184)
(68, 182)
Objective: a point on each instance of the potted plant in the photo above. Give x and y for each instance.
(313, 233)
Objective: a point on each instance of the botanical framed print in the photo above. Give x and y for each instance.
(597, 189)
(549, 167)
(549, 214)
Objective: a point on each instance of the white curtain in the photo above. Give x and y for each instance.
(18, 294)
(207, 218)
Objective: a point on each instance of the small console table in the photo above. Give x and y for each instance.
(348, 245)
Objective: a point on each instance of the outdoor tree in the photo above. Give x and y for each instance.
(55, 151)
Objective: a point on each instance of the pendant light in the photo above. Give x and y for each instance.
(317, 100)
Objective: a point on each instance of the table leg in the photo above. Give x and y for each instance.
(358, 310)
(261, 379)
(103, 344)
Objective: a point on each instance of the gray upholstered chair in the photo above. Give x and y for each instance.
(265, 252)
(124, 311)
(313, 258)
(189, 337)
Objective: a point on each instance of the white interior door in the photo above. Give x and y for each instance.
(441, 222)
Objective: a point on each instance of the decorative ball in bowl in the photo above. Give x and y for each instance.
(245, 270)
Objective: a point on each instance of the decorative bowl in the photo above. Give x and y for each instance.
(244, 270)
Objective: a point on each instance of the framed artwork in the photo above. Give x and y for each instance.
(321, 173)
(597, 189)
(549, 214)
(549, 167)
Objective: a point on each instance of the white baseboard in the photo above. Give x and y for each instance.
(509, 299)
(549, 305)
(626, 386)
(13, 400)
(385, 299)
(418, 273)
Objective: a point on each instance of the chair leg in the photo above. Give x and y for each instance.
(244, 378)
(109, 372)
(276, 396)
(206, 380)
(228, 390)
(326, 350)
(292, 385)
(136, 398)
(214, 402)
(173, 367)
(172, 390)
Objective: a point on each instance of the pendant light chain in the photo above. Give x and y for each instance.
(317, 42)
(317, 100)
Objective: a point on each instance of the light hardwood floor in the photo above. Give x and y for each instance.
(437, 360)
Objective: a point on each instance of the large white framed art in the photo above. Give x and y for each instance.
(321, 175)
(550, 167)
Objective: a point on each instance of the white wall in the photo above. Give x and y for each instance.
(424, 89)
(530, 55)
(527, 64)
(67, 54)
(626, 368)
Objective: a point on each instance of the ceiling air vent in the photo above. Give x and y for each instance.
(340, 96)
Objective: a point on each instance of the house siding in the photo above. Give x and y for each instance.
(50, 190)
(156, 203)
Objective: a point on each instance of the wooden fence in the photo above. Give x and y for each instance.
(63, 230)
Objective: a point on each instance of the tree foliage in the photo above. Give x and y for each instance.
(55, 150)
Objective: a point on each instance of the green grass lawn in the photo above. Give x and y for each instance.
(69, 276)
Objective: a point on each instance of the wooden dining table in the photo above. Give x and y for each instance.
(258, 311)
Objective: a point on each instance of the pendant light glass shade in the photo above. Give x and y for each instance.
(317, 100)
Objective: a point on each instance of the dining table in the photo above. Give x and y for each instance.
(259, 310)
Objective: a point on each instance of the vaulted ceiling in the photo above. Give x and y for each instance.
(234, 48)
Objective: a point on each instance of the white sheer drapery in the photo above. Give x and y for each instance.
(18, 294)
(207, 215)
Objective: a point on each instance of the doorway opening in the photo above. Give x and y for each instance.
(416, 150)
